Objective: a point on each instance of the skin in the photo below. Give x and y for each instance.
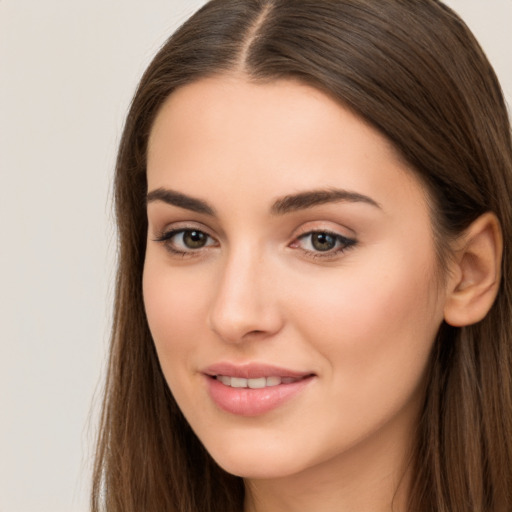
(362, 320)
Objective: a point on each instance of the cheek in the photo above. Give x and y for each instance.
(375, 326)
(173, 306)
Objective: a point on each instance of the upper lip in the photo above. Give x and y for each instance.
(252, 371)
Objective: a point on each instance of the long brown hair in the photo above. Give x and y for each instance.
(414, 71)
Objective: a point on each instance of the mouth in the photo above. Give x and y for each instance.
(256, 383)
(237, 373)
(254, 389)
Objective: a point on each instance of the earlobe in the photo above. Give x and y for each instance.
(476, 272)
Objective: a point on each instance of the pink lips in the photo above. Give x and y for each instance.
(283, 384)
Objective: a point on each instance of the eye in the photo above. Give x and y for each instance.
(186, 241)
(323, 243)
(192, 239)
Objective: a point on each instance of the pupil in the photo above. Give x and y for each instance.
(194, 239)
(323, 241)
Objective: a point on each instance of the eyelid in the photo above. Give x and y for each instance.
(334, 234)
(169, 233)
(181, 226)
(343, 243)
(166, 235)
(324, 226)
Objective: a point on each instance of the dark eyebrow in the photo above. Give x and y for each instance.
(283, 205)
(181, 200)
(304, 200)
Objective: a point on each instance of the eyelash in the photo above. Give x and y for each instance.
(167, 236)
(342, 243)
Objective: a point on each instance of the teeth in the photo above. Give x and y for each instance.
(238, 382)
(259, 383)
(225, 380)
(273, 381)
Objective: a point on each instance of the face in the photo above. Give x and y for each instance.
(290, 277)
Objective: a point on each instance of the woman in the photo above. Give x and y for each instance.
(314, 294)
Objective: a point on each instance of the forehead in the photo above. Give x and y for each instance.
(275, 138)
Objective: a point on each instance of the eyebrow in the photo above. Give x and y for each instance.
(308, 199)
(181, 200)
(283, 205)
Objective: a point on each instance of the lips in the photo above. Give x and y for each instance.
(253, 389)
(253, 371)
(257, 383)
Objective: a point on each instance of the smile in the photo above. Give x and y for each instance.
(254, 389)
(257, 383)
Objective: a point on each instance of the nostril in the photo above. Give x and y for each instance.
(254, 333)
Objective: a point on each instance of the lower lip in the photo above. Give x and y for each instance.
(253, 402)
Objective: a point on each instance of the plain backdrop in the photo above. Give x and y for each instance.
(68, 69)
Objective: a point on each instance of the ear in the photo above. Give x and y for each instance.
(475, 272)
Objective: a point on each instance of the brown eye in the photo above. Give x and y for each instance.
(323, 241)
(323, 244)
(193, 239)
(186, 241)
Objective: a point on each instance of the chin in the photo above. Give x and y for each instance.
(256, 469)
(264, 459)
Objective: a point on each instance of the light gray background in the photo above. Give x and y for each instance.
(67, 72)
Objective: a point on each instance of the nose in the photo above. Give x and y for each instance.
(245, 306)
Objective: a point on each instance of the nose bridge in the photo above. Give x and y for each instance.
(244, 301)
